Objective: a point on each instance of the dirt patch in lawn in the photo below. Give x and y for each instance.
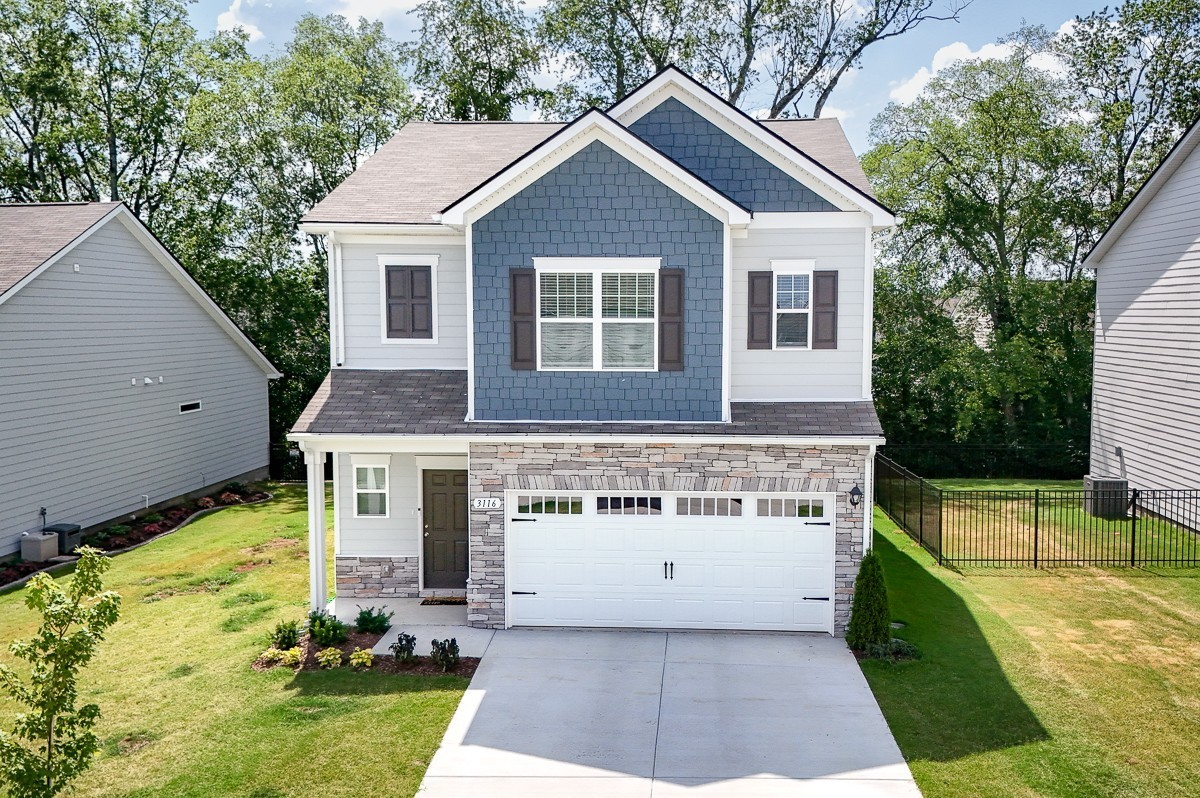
(250, 565)
(271, 545)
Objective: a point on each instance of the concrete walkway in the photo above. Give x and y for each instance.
(625, 714)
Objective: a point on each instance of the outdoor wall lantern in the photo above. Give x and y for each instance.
(856, 495)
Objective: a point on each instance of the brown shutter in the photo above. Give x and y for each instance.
(670, 320)
(523, 314)
(409, 302)
(825, 310)
(760, 309)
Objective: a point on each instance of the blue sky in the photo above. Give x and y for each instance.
(892, 70)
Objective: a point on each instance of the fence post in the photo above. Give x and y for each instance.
(1037, 495)
(941, 521)
(1133, 530)
(921, 512)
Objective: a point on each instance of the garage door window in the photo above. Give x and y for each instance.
(550, 505)
(629, 505)
(722, 508)
(791, 508)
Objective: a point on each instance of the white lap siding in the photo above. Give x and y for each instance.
(77, 438)
(394, 536)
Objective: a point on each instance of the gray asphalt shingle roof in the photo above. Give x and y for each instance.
(429, 402)
(426, 166)
(32, 233)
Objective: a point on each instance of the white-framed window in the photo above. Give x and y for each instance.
(597, 314)
(792, 309)
(190, 407)
(370, 486)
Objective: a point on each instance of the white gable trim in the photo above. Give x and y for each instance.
(591, 127)
(173, 268)
(672, 83)
(1175, 158)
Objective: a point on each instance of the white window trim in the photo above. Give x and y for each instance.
(791, 267)
(199, 405)
(408, 260)
(597, 267)
(383, 461)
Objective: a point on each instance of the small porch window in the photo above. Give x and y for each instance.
(370, 491)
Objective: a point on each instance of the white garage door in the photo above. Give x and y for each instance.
(674, 561)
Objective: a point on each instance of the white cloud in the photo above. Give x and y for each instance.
(231, 19)
(836, 113)
(951, 54)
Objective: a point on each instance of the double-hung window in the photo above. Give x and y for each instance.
(598, 314)
(370, 486)
(793, 304)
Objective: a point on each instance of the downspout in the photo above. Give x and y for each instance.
(337, 314)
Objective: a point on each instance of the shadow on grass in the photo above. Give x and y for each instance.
(347, 683)
(956, 700)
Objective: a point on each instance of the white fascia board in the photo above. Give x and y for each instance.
(591, 127)
(346, 229)
(1175, 158)
(809, 172)
(451, 444)
(50, 261)
(817, 220)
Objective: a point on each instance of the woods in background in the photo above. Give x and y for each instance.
(1005, 170)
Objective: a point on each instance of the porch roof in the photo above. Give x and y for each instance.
(434, 403)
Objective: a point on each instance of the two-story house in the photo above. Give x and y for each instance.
(610, 373)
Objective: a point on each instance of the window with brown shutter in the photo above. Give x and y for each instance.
(670, 320)
(760, 330)
(409, 301)
(523, 318)
(824, 310)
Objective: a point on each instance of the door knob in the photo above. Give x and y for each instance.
(426, 534)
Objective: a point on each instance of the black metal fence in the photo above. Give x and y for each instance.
(990, 461)
(1042, 528)
(287, 464)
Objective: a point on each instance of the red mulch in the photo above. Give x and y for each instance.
(19, 570)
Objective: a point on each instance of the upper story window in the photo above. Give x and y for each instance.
(793, 317)
(793, 306)
(598, 314)
(409, 298)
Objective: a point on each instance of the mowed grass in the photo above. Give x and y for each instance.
(1071, 682)
(183, 713)
(1008, 484)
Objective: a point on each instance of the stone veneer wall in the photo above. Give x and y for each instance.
(699, 467)
(376, 577)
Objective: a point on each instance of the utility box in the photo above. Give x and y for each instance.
(70, 536)
(39, 546)
(1106, 497)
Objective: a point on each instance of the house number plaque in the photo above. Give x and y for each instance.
(486, 504)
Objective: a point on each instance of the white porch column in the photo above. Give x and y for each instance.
(314, 459)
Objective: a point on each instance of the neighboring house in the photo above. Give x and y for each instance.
(122, 385)
(1146, 373)
(609, 373)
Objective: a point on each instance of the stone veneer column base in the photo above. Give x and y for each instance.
(377, 577)
(682, 467)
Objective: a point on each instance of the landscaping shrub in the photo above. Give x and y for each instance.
(235, 487)
(362, 659)
(870, 619)
(405, 648)
(206, 503)
(152, 518)
(445, 654)
(154, 529)
(286, 635)
(114, 531)
(373, 620)
(894, 650)
(324, 629)
(329, 658)
(291, 658)
(230, 498)
(271, 655)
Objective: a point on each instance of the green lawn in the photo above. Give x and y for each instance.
(183, 713)
(1049, 683)
(1008, 484)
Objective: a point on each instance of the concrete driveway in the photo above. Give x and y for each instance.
(625, 714)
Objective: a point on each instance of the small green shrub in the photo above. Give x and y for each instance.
(329, 658)
(152, 518)
(272, 655)
(114, 531)
(325, 629)
(445, 654)
(894, 650)
(405, 648)
(373, 620)
(292, 657)
(286, 635)
(870, 619)
(362, 659)
(235, 487)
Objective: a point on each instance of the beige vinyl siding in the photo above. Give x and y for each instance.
(362, 284)
(795, 374)
(394, 536)
(1146, 394)
(81, 441)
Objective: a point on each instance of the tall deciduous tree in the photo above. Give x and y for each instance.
(474, 59)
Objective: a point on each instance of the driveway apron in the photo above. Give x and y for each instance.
(591, 713)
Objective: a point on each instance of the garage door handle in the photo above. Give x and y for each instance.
(816, 598)
(664, 569)
(817, 523)
(524, 593)
(524, 520)
(672, 570)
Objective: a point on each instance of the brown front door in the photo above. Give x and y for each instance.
(444, 510)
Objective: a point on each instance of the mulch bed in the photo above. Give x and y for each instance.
(423, 666)
(444, 601)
